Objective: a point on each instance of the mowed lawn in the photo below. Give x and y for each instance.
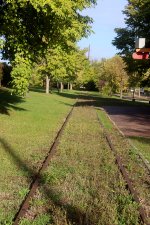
(143, 145)
(27, 129)
(82, 185)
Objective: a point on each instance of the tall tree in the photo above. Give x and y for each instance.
(1, 72)
(65, 67)
(30, 27)
(137, 22)
(111, 75)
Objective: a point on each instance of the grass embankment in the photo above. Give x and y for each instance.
(82, 184)
(131, 161)
(143, 145)
(27, 128)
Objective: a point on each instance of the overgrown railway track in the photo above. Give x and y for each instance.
(145, 161)
(35, 184)
(125, 175)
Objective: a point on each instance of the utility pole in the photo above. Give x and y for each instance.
(89, 52)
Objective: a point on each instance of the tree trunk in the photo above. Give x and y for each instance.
(47, 84)
(133, 95)
(61, 86)
(70, 86)
(121, 88)
(139, 93)
(58, 87)
(121, 93)
(0, 83)
(50, 86)
(44, 83)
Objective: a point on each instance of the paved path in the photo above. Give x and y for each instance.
(132, 121)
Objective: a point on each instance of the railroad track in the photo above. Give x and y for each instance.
(145, 161)
(124, 173)
(35, 184)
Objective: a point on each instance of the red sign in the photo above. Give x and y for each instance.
(140, 55)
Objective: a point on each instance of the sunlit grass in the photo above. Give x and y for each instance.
(82, 184)
(130, 157)
(81, 170)
(142, 145)
(27, 128)
(105, 120)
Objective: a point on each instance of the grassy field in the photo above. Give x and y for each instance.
(82, 184)
(27, 128)
(142, 145)
(131, 161)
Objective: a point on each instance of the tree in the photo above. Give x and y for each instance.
(137, 25)
(65, 67)
(30, 27)
(111, 75)
(119, 73)
(84, 69)
(5, 71)
(1, 72)
(21, 75)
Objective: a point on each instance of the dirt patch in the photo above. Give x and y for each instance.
(132, 121)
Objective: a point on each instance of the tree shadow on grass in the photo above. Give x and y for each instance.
(88, 99)
(97, 99)
(21, 165)
(74, 216)
(142, 140)
(8, 101)
(37, 89)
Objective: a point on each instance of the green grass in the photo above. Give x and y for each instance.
(27, 129)
(82, 177)
(105, 120)
(142, 145)
(82, 184)
(130, 158)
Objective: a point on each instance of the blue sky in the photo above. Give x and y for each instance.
(107, 16)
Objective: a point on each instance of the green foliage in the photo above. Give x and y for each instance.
(21, 74)
(90, 86)
(35, 28)
(28, 126)
(61, 66)
(137, 17)
(32, 26)
(23, 192)
(5, 71)
(1, 71)
(137, 25)
(146, 79)
(84, 69)
(40, 220)
(110, 75)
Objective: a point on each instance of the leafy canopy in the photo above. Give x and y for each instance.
(29, 28)
(137, 14)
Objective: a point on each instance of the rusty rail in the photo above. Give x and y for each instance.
(144, 160)
(35, 183)
(125, 176)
